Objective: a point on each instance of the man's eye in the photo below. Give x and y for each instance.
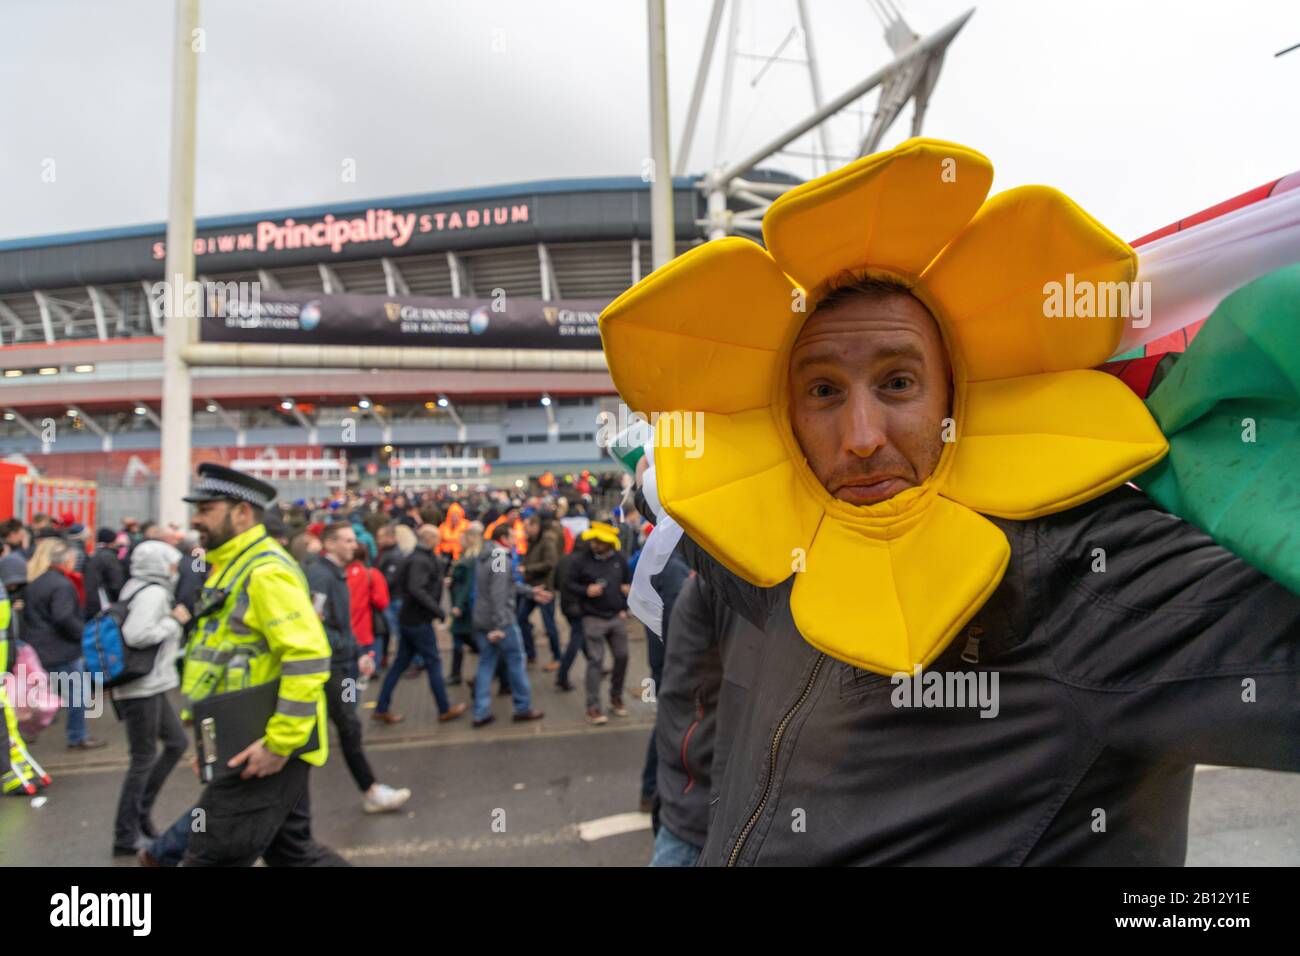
(899, 383)
(822, 390)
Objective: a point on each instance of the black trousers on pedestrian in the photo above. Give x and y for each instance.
(343, 714)
(267, 817)
(148, 720)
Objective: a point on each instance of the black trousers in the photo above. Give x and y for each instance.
(148, 721)
(343, 714)
(267, 817)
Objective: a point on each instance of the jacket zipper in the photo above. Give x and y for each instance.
(771, 762)
(686, 742)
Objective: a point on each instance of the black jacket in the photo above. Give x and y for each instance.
(570, 603)
(189, 584)
(104, 569)
(390, 563)
(585, 569)
(686, 717)
(421, 588)
(52, 620)
(1111, 687)
(333, 601)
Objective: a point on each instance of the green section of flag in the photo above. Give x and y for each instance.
(1231, 411)
(1138, 352)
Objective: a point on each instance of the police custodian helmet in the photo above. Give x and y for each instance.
(219, 483)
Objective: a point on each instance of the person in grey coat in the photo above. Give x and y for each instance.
(153, 618)
(496, 629)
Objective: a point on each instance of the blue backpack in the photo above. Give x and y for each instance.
(108, 654)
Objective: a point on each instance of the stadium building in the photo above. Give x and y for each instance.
(528, 264)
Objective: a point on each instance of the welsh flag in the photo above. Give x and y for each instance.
(1219, 367)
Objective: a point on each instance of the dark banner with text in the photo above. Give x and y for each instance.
(307, 318)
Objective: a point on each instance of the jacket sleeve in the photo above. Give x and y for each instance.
(320, 588)
(501, 600)
(1178, 650)
(379, 596)
(65, 612)
(5, 666)
(577, 579)
(282, 605)
(148, 621)
(115, 579)
(417, 585)
(551, 555)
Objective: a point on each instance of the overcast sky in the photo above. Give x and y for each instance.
(1143, 112)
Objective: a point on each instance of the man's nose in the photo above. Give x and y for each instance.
(863, 424)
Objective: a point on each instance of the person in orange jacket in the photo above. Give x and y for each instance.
(451, 529)
(518, 534)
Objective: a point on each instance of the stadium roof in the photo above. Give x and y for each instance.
(505, 191)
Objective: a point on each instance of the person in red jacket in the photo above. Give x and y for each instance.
(368, 593)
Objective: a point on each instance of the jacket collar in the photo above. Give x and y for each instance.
(223, 554)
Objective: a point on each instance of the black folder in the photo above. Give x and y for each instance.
(225, 724)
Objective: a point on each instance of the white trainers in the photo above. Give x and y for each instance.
(383, 798)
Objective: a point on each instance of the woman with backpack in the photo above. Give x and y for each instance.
(152, 619)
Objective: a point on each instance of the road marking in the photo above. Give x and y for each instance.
(613, 826)
(587, 832)
(407, 849)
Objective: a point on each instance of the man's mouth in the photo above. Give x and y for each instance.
(869, 490)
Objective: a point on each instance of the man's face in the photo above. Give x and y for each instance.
(213, 523)
(600, 547)
(342, 546)
(533, 526)
(869, 389)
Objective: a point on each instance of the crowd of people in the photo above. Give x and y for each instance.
(385, 572)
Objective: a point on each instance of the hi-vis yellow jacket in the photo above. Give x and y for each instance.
(255, 624)
(15, 771)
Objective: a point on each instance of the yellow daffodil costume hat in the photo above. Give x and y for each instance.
(885, 586)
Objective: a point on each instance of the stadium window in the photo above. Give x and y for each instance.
(571, 436)
(588, 436)
(538, 439)
(514, 439)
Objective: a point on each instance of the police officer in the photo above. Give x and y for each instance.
(255, 624)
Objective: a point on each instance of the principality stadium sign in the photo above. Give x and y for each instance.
(393, 228)
(307, 318)
(560, 212)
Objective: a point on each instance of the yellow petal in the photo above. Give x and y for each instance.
(701, 332)
(991, 285)
(736, 493)
(891, 211)
(889, 605)
(1039, 444)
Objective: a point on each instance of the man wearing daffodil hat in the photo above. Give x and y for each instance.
(982, 645)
